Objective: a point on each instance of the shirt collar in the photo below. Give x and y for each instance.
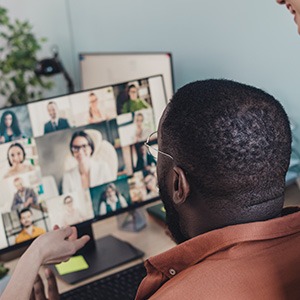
(198, 248)
(55, 121)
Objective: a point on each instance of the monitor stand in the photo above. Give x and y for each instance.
(133, 221)
(101, 255)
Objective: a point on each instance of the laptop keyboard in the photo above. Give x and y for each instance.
(119, 286)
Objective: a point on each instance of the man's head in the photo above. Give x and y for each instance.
(52, 110)
(25, 216)
(294, 7)
(139, 119)
(18, 183)
(231, 147)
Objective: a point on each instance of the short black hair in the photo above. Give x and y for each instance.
(232, 140)
(86, 136)
(16, 145)
(23, 211)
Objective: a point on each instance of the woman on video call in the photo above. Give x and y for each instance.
(9, 127)
(88, 172)
(16, 159)
(95, 115)
(71, 214)
(133, 103)
(111, 200)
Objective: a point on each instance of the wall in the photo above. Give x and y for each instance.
(255, 42)
(49, 19)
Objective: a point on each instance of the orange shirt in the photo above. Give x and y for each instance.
(24, 236)
(259, 260)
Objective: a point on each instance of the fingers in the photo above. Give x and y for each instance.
(74, 234)
(79, 243)
(52, 285)
(38, 289)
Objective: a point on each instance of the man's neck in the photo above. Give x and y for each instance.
(21, 192)
(228, 215)
(29, 229)
(55, 120)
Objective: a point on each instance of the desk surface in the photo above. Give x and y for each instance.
(152, 240)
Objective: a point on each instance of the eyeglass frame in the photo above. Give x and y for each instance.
(76, 149)
(148, 146)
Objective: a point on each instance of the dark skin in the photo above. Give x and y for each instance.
(189, 214)
(195, 217)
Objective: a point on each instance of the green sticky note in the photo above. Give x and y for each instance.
(74, 264)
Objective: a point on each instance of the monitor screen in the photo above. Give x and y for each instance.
(77, 158)
(98, 69)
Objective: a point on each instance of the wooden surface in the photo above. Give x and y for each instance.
(152, 240)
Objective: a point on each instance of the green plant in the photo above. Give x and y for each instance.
(3, 270)
(19, 46)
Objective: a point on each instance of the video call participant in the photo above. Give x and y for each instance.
(29, 231)
(16, 159)
(9, 127)
(133, 103)
(141, 133)
(95, 115)
(223, 190)
(55, 123)
(150, 181)
(71, 215)
(88, 172)
(145, 161)
(24, 197)
(294, 7)
(111, 200)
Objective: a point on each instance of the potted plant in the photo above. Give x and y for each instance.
(19, 47)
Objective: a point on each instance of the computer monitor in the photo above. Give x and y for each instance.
(77, 159)
(99, 69)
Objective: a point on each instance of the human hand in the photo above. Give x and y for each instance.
(58, 245)
(28, 202)
(280, 1)
(38, 291)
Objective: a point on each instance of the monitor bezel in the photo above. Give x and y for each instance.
(168, 53)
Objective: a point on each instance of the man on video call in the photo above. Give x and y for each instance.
(29, 231)
(55, 123)
(223, 153)
(24, 197)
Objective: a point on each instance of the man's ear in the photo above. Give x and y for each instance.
(181, 187)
